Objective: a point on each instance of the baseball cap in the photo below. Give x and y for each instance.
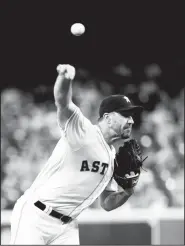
(120, 104)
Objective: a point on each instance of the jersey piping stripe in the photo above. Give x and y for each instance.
(103, 141)
(21, 213)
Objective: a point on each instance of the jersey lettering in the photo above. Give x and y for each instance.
(84, 166)
(95, 167)
(105, 165)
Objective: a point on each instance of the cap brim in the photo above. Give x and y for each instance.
(130, 110)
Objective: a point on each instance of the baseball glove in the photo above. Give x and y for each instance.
(128, 159)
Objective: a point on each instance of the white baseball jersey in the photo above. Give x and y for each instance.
(79, 169)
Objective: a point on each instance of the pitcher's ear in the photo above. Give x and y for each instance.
(107, 117)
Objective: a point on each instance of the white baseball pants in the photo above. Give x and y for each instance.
(30, 225)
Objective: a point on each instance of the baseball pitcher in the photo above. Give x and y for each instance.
(83, 166)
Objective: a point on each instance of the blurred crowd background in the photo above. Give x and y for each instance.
(29, 132)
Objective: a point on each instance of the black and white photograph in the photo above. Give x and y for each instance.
(92, 122)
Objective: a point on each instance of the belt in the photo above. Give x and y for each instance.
(63, 218)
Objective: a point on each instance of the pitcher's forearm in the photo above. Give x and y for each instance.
(116, 199)
(62, 90)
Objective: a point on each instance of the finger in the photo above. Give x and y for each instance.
(132, 173)
(71, 71)
(61, 69)
(132, 176)
(136, 175)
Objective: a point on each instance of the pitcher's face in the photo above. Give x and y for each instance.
(122, 125)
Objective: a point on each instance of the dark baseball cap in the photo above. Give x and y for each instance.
(120, 104)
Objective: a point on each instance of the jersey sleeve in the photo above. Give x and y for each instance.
(112, 185)
(76, 129)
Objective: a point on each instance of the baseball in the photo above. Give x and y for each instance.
(77, 29)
